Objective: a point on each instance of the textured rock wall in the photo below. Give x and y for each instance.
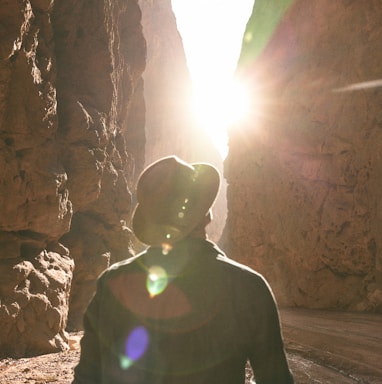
(167, 84)
(35, 210)
(101, 54)
(305, 172)
(71, 138)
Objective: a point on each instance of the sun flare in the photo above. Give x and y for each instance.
(212, 51)
(220, 106)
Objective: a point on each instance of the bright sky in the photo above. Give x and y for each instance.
(212, 32)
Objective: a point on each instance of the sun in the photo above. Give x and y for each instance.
(212, 52)
(219, 106)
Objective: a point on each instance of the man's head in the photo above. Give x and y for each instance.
(173, 199)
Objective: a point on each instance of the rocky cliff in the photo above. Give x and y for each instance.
(100, 55)
(305, 171)
(71, 138)
(168, 89)
(72, 143)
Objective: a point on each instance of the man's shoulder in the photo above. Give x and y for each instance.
(121, 266)
(249, 283)
(237, 267)
(232, 265)
(124, 263)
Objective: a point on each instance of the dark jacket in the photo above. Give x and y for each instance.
(190, 315)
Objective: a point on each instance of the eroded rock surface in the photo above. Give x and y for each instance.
(101, 54)
(305, 173)
(34, 305)
(71, 138)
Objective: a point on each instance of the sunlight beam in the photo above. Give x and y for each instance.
(360, 86)
(212, 33)
(220, 106)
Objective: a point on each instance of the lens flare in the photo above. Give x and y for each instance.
(135, 347)
(125, 362)
(166, 248)
(137, 343)
(157, 280)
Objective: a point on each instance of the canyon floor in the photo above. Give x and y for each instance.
(323, 347)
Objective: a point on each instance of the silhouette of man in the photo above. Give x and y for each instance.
(181, 311)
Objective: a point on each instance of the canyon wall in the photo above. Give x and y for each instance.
(71, 140)
(168, 89)
(100, 55)
(305, 170)
(72, 144)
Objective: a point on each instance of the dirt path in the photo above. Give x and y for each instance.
(347, 344)
(323, 348)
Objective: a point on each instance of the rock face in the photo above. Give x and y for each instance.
(71, 138)
(168, 91)
(100, 54)
(305, 173)
(34, 307)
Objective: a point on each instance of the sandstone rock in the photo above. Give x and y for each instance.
(100, 59)
(304, 175)
(32, 173)
(35, 210)
(96, 246)
(34, 303)
(71, 140)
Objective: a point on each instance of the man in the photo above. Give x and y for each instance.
(180, 312)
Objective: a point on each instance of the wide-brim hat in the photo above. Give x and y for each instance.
(173, 198)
